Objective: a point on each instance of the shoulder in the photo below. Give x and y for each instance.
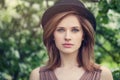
(34, 75)
(106, 74)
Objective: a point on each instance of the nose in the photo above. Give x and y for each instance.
(67, 36)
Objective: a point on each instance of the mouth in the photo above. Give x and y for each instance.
(67, 45)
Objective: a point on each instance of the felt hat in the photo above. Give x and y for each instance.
(68, 5)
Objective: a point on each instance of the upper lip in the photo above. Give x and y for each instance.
(67, 44)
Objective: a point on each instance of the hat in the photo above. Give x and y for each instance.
(68, 5)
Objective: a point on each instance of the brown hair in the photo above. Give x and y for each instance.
(86, 52)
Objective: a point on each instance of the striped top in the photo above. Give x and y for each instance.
(50, 75)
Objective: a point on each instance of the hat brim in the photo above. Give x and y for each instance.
(52, 11)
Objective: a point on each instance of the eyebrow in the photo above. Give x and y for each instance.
(76, 27)
(71, 27)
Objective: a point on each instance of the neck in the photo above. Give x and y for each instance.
(69, 60)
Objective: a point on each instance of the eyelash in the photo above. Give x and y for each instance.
(60, 30)
(73, 30)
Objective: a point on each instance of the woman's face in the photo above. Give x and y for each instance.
(68, 35)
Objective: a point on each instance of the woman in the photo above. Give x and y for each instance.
(69, 38)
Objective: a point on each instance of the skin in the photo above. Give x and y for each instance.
(68, 37)
(69, 31)
(105, 75)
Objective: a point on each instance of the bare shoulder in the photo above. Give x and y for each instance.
(35, 74)
(106, 74)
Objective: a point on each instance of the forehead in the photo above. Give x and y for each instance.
(69, 20)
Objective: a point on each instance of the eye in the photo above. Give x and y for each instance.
(75, 30)
(60, 30)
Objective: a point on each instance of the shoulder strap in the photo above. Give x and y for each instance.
(94, 75)
(46, 74)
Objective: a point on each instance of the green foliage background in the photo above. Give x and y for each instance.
(21, 46)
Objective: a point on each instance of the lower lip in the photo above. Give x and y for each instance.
(67, 45)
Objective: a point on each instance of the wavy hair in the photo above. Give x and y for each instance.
(85, 56)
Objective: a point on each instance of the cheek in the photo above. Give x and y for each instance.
(57, 39)
(57, 35)
(78, 40)
(58, 42)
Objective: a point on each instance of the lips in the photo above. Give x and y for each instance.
(67, 45)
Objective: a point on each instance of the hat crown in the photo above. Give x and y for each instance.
(68, 5)
(69, 2)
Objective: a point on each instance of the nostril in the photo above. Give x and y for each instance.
(67, 39)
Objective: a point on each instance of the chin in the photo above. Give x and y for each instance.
(68, 52)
